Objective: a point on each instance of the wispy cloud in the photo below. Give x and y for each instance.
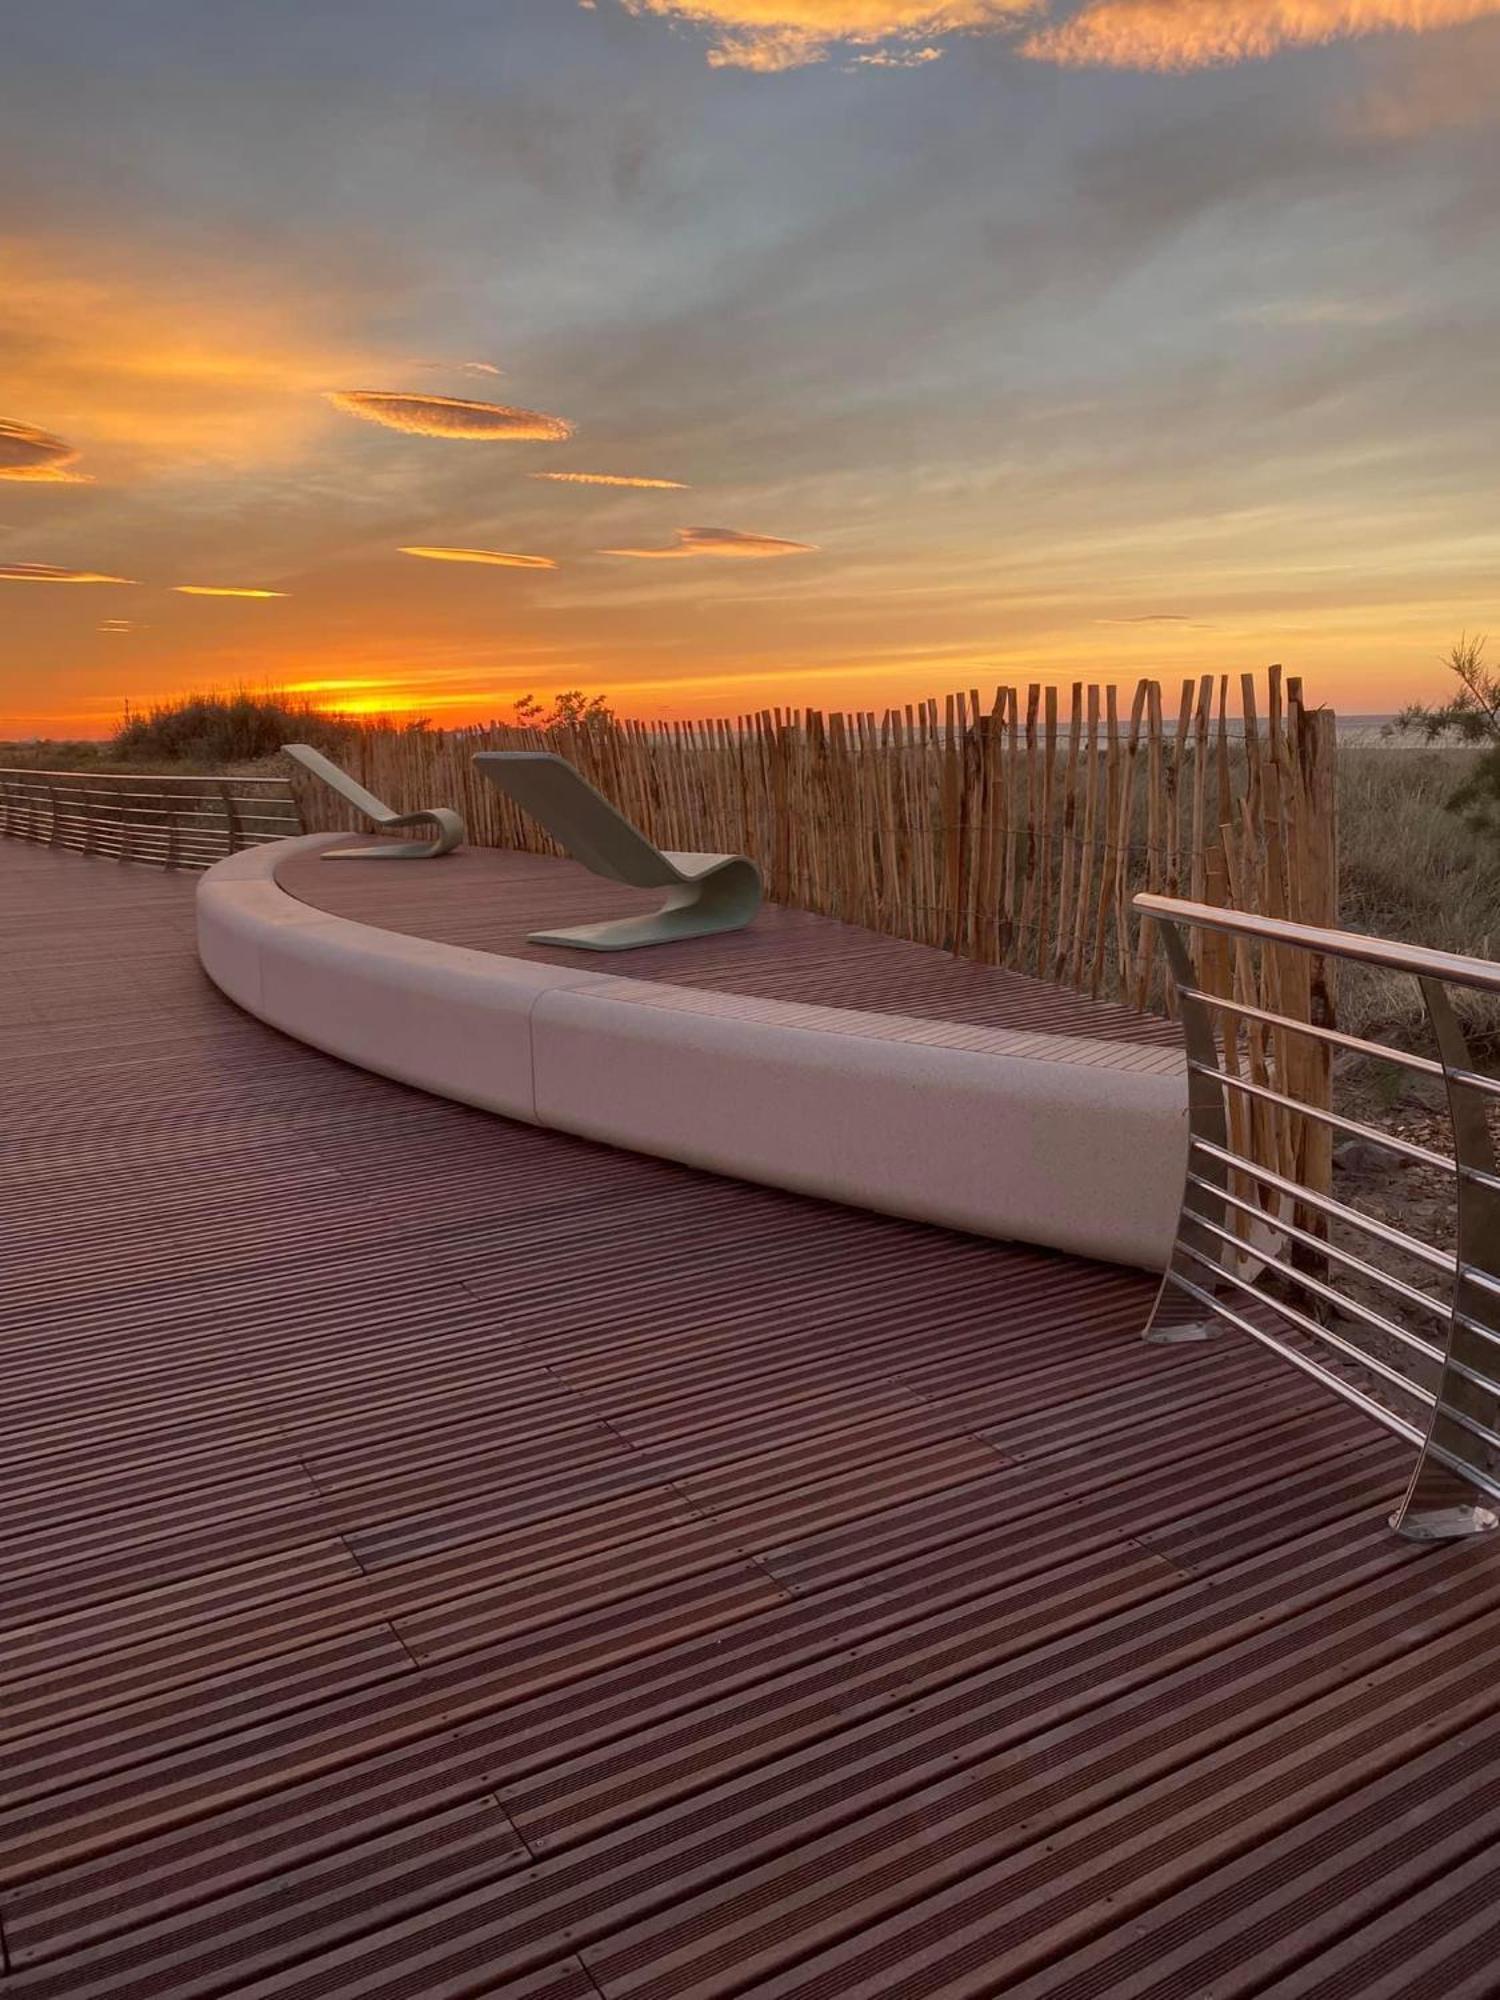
(52, 573)
(447, 416)
(1156, 618)
(498, 558)
(165, 359)
(223, 590)
(120, 625)
(457, 367)
(771, 35)
(46, 475)
(609, 479)
(1326, 311)
(717, 542)
(897, 58)
(1203, 34)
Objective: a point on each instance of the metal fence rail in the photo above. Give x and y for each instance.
(166, 822)
(1242, 1225)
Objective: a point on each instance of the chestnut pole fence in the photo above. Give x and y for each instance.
(1014, 832)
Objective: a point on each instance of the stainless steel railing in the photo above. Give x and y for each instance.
(1247, 1235)
(167, 822)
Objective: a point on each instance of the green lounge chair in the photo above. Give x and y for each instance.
(448, 827)
(705, 892)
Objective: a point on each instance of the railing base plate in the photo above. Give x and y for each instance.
(1445, 1524)
(1175, 1336)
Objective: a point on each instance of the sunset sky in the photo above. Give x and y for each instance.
(719, 353)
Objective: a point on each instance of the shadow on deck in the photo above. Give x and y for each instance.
(422, 1577)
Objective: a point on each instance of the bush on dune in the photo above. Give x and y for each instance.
(218, 729)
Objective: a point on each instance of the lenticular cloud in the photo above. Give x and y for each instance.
(499, 558)
(610, 479)
(52, 573)
(27, 453)
(718, 542)
(448, 416)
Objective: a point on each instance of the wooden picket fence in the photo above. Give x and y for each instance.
(1014, 833)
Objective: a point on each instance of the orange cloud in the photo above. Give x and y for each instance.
(27, 453)
(717, 542)
(50, 573)
(46, 475)
(222, 590)
(1201, 34)
(500, 558)
(770, 35)
(447, 416)
(167, 357)
(608, 479)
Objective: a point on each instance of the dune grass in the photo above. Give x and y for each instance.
(1412, 870)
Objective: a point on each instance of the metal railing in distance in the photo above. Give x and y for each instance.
(166, 822)
(1437, 1387)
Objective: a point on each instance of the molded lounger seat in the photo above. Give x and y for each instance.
(708, 892)
(1058, 1140)
(448, 827)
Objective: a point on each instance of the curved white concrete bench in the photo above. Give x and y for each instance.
(1074, 1144)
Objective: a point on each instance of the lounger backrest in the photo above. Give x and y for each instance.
(339, 781)
(581, 820)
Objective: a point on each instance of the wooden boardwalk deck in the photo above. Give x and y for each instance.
(489, 899)
(421, 1578)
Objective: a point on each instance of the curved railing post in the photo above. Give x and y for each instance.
(1463, 1433)
(233, 833)
(1174, 1316)
(1437, 1388)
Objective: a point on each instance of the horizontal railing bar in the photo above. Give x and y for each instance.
(1475, 1375)
(1471, 1424)
(1419, 960)
(1376, 1137)
(1483, 1480)
(1337, 1211)
(25, 774)
(1333, 1036)
(1477, 1327)
(1411, 1432)
(1439, 1308)
(1313, 1331)
(1365, 1314)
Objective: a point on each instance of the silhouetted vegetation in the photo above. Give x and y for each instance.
(572, 709)
(1472, 717)
(220, 729)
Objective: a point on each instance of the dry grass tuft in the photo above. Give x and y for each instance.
(1412, 870)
